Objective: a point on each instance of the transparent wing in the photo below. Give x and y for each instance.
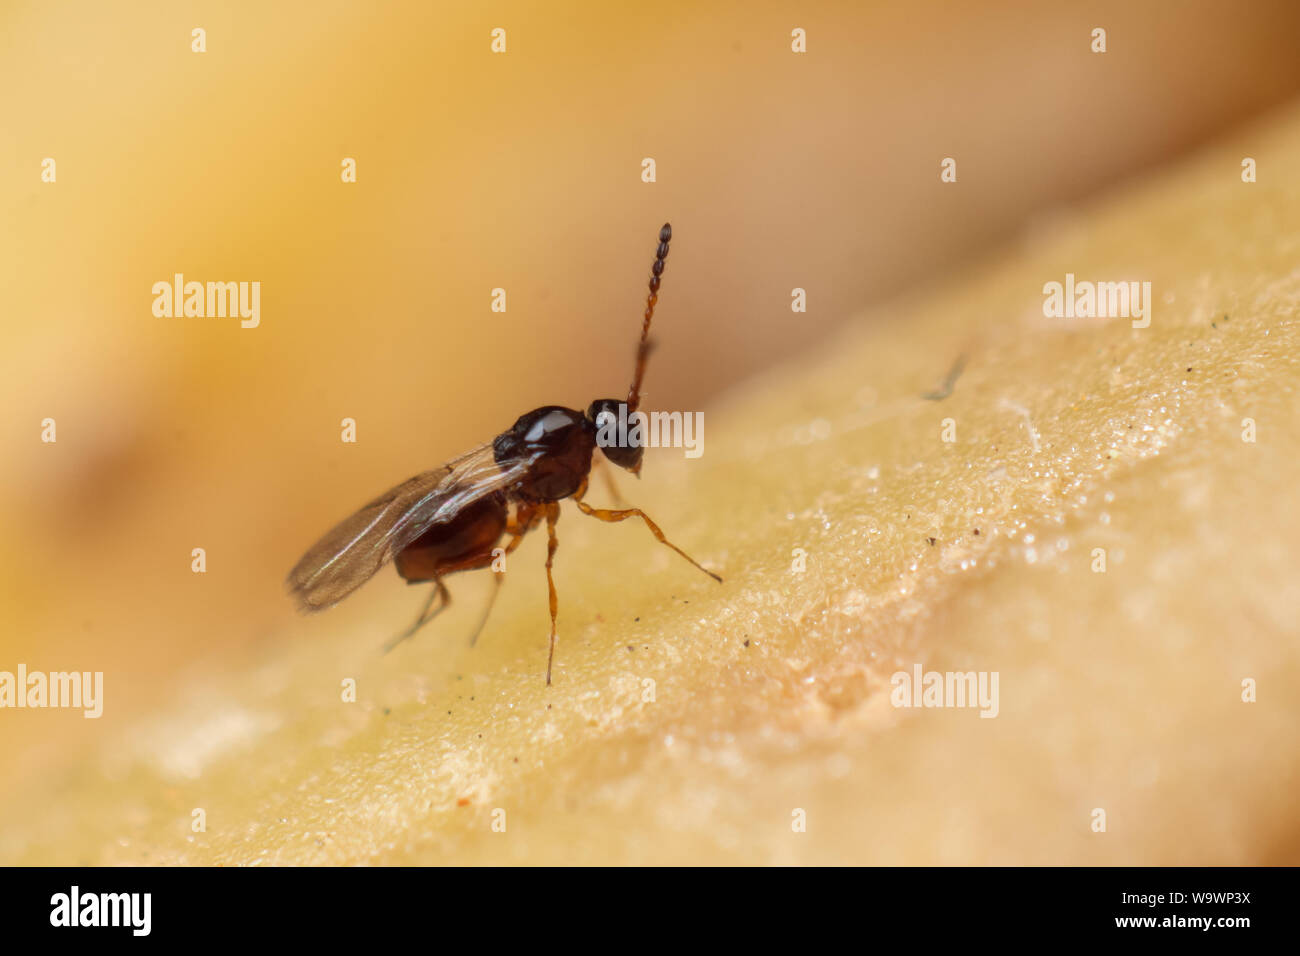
(357, 547)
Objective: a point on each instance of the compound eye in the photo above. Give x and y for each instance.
(604, 414)
(600, 408)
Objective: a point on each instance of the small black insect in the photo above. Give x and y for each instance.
(454, 517)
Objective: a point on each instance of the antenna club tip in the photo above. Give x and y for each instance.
(666, 233)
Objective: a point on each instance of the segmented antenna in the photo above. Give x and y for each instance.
(643, 350)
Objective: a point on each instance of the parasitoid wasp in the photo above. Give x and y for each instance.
(454, 517)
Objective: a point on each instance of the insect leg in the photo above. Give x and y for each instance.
(605, 514)
(552, 515)
(609, 481)
(439, 590)
(498, 577)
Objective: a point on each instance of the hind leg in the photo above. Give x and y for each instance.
(425, 616)
(498, 578)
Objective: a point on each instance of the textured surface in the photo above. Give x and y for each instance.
(1118, 690)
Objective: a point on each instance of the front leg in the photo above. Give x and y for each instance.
(606, 514)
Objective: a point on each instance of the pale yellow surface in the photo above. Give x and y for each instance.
(1119, 690)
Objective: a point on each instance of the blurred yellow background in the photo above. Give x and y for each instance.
(477, 170)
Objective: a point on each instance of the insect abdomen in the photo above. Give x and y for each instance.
(461, 544)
